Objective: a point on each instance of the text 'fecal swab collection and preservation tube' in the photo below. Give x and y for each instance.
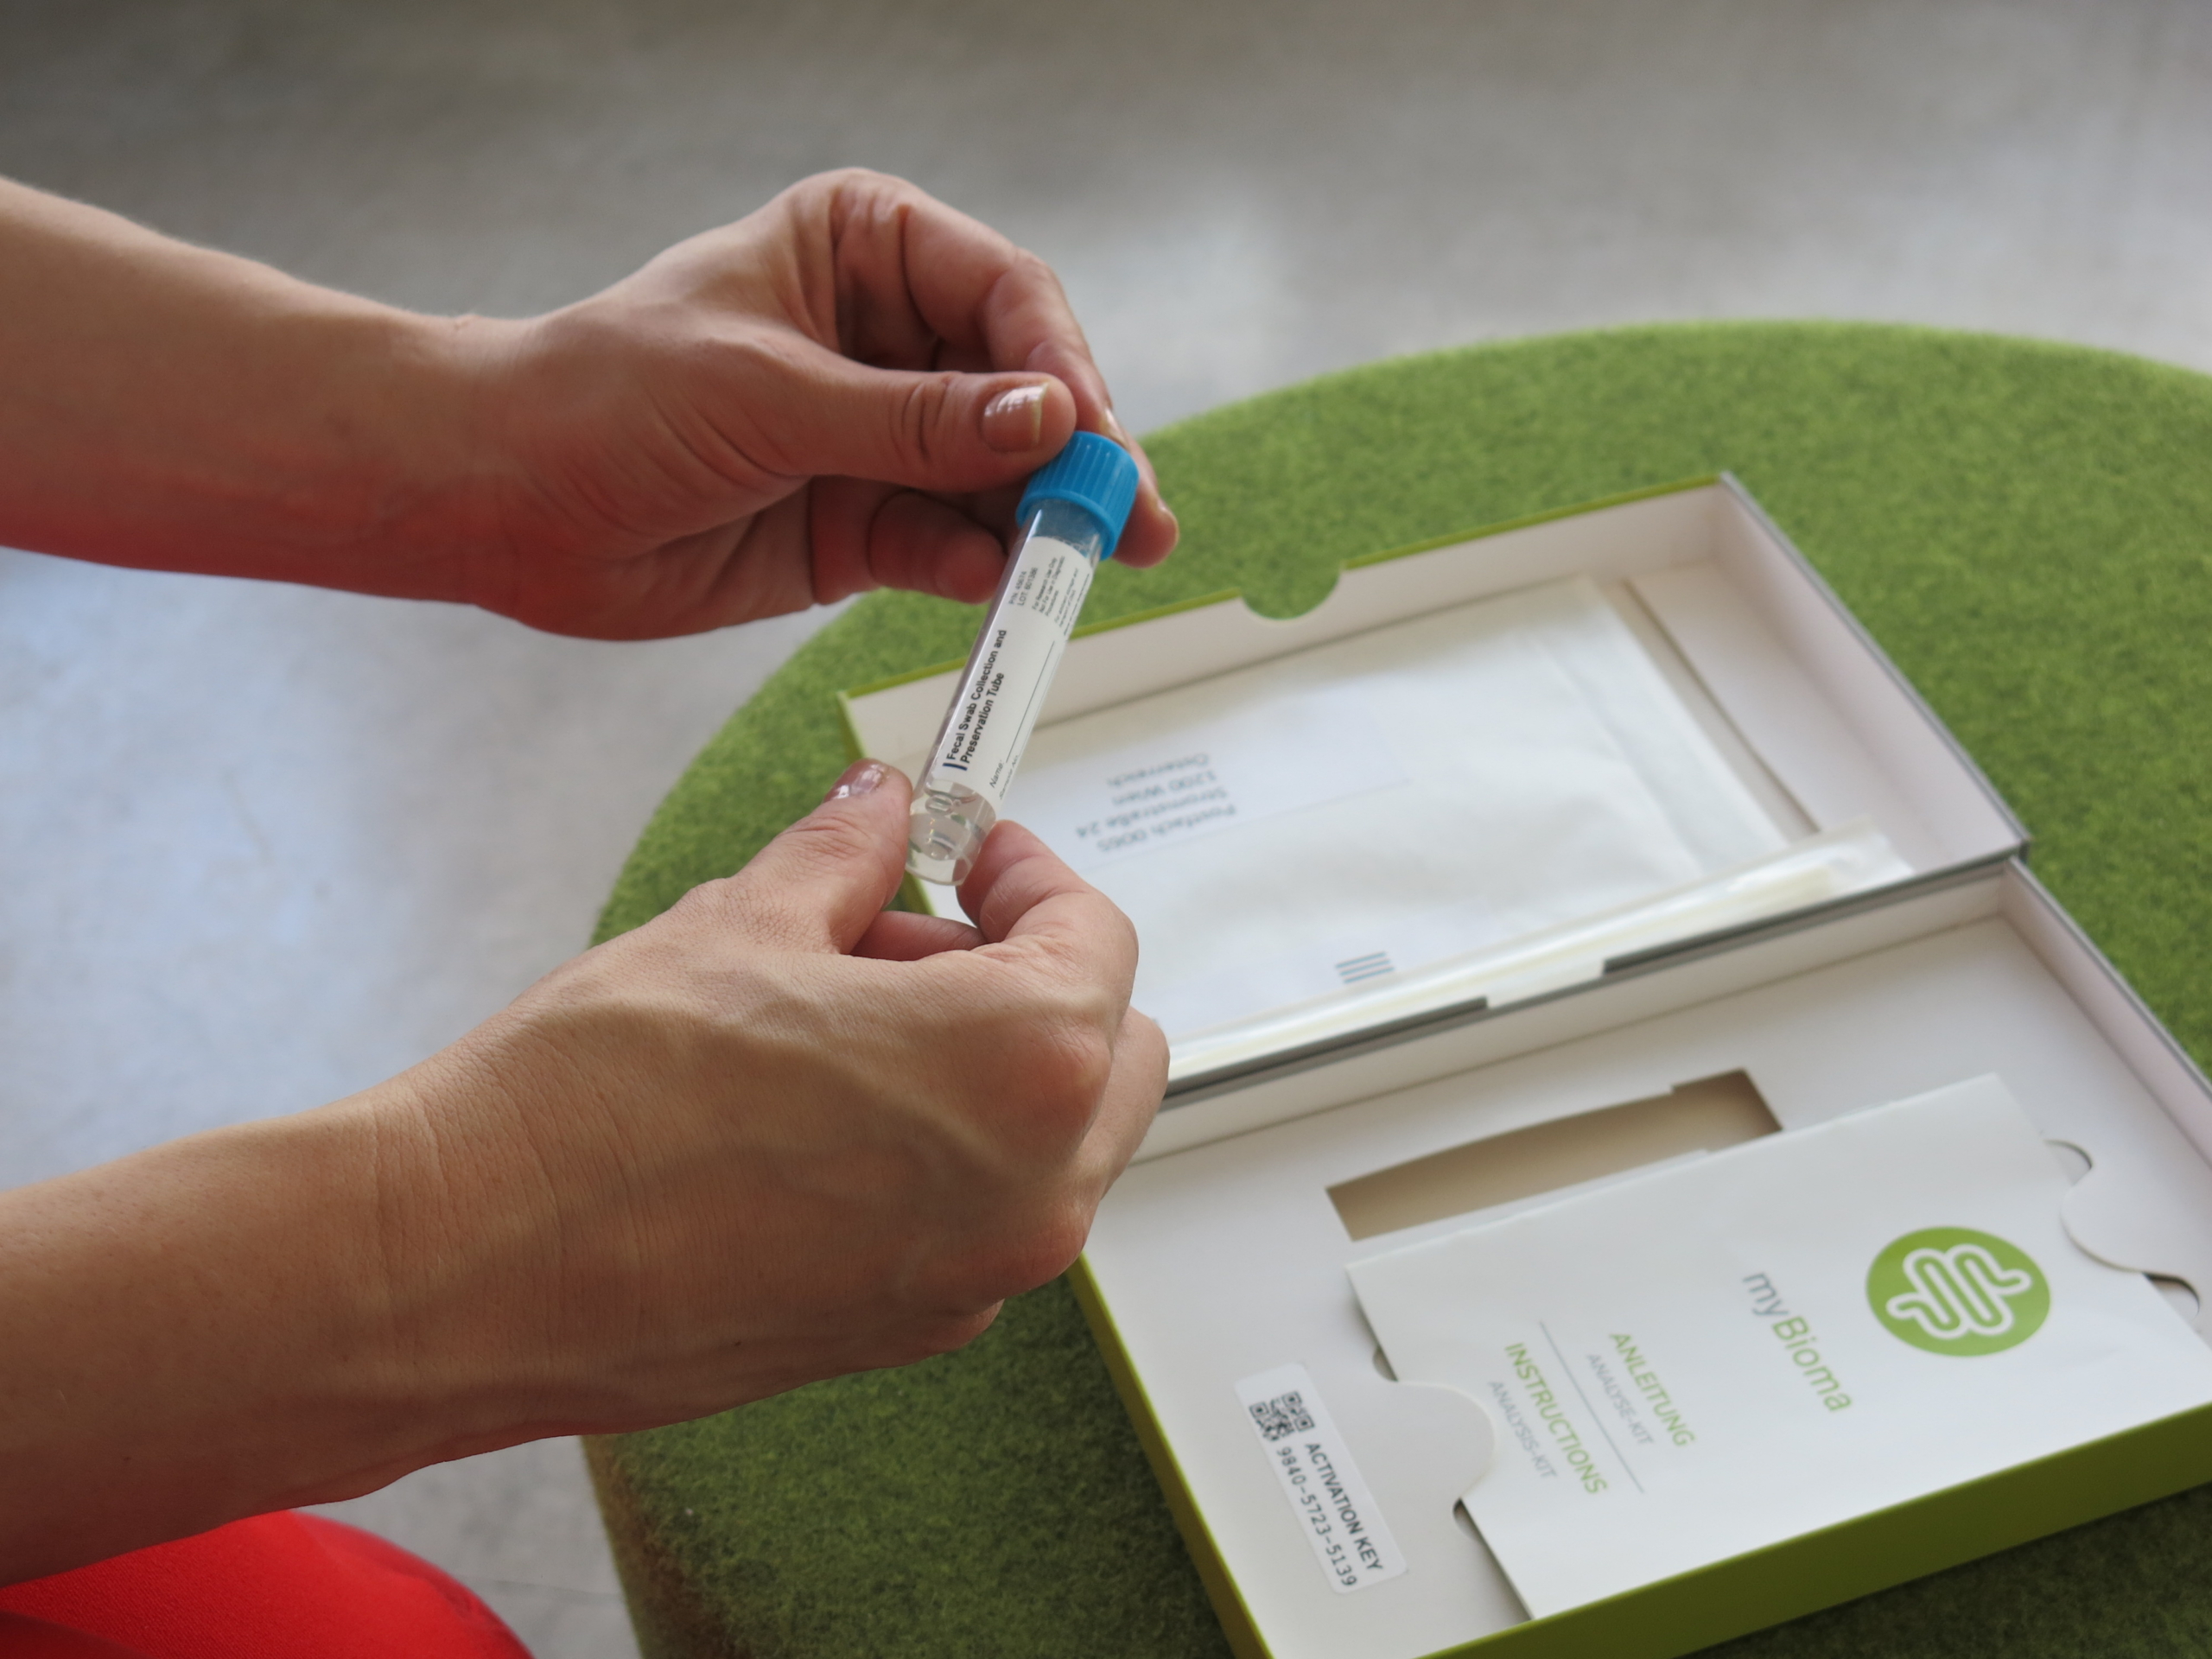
(1070, 517)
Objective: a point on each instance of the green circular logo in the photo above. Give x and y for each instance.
(1952, 1290)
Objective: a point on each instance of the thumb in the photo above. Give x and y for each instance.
(818, 885)
(944, 432)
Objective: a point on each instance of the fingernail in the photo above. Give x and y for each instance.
(1115, 429)
(1014, 421)
(861, 779)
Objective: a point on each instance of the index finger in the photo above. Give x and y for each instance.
(975, 289)
(1022, 898)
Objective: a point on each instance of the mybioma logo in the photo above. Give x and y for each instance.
(1951, 1290)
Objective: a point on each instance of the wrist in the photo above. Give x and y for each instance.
(464, 399)
(378, 457)
(478, 1245)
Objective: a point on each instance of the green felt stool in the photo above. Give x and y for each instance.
(2026, 528)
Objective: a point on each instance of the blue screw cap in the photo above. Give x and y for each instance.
(1092, 472)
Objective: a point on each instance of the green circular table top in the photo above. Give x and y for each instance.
(2026, 528)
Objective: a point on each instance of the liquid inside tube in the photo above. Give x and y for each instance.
(962, 790)
(945, 835)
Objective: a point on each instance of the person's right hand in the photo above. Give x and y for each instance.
(776, 1135)
(780, 1133)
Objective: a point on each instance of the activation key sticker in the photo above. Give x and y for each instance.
(1316, 1474)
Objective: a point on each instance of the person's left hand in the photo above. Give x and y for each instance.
(843, 390)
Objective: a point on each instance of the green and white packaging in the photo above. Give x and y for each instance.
(1889, 943)
(1692, 1363)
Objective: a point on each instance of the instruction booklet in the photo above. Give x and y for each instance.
(1747, 1347)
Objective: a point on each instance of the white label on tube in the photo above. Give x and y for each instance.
(1005, 686)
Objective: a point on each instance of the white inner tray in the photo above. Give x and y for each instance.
(1225, 1260)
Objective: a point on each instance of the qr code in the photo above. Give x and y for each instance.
(1285, 1415)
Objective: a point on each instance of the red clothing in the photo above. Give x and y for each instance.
(276, 1586)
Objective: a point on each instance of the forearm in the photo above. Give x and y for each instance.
(167, 407)
(208, 1330)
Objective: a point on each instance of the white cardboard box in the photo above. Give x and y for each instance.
(1221, 1255)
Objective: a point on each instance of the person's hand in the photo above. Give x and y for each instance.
(841, 392)
(779, 1133)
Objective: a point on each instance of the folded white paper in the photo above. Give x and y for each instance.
(1420, 790)
(1750, 1345)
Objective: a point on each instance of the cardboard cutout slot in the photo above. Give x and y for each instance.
(1706, 1116)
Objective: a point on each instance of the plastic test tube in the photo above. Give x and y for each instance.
(1070, 517)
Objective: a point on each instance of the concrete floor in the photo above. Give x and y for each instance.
(266, 846)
